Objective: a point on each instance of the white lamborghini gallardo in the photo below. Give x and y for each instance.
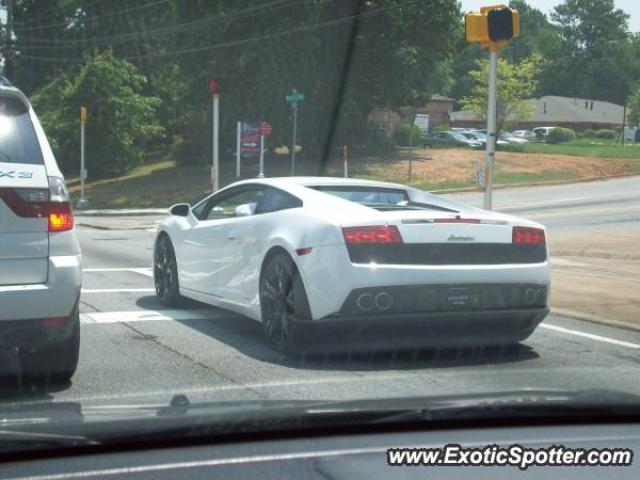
(305, 255)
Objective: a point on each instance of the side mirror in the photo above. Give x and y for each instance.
(180, 210)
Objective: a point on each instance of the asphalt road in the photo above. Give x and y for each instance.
(133, 349)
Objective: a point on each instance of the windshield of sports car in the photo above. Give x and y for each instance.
(211, 207)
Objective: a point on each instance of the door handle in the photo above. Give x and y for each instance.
(231, 238)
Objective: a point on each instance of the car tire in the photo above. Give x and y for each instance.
(55, 363)
(283, 302)
(165, 272)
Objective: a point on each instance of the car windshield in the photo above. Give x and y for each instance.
(233, 214)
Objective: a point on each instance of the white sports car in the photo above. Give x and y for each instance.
(304, 255)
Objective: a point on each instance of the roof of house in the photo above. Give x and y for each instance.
(554, 109)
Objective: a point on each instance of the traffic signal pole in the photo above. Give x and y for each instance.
(295, 131)
(491, 129)
(215, 171)
(492, 28)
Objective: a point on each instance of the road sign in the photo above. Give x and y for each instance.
(83, 114)
(422, 122)
(214, 86)
(250, 138)
(294, 97)
(265, 129)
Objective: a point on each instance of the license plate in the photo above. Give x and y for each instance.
(462, 298)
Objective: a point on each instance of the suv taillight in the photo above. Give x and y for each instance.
(528, 236)
(376, 234)
(59, 210)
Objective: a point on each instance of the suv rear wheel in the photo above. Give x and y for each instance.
(56, 362)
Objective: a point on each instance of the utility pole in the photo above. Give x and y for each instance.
(8, 41)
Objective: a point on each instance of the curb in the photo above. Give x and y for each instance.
(585, 317)
(534, 184)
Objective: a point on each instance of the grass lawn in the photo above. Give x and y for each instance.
(162, 183)
(582, 147)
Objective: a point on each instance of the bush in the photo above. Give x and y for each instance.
(377, 144)
(589, 133)
(401, 135)
(121, 117)
(441, 127)
(559, 135)
(605, 134)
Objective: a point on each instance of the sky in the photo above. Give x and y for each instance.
(632, 7)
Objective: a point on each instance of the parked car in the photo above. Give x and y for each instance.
(40, 263)
(510, 138)
(449, 139)
(527, 135)
(481, 137)
(542, 133)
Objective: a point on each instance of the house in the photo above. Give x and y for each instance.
(387, 119)
(570, 112)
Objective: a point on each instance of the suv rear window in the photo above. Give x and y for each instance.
(18, 141)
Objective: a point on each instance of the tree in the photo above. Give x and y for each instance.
(596, 60)
(121, 117)
(516, 84)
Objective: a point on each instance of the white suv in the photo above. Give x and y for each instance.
(40, 262)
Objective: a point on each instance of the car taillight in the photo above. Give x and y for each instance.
(528, 236)
(58, 208)
(377, 234)
(60, 217)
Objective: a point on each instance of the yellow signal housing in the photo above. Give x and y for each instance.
(516, 23)
(476, 28)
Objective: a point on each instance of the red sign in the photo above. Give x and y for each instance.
(214, 85)
(265, 129)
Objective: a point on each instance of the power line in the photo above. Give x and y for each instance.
(57, 14)
(92, 19)
(238, 42)
(123, 37)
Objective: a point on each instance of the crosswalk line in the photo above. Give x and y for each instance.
(151, 315)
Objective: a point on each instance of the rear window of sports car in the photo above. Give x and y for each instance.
(366, 195)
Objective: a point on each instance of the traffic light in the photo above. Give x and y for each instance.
(492, 26)
(502, 24)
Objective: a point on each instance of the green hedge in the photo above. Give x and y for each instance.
(589, 133)
(560, 135)
(605, 133)
(401, 135)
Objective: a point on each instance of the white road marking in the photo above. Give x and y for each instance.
(151, 315)
(591, 336)
(118, 290)
(558, 202)
(146, 271)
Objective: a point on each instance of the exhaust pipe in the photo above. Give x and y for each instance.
(365, 302)
(530, 296)
(384, 301)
